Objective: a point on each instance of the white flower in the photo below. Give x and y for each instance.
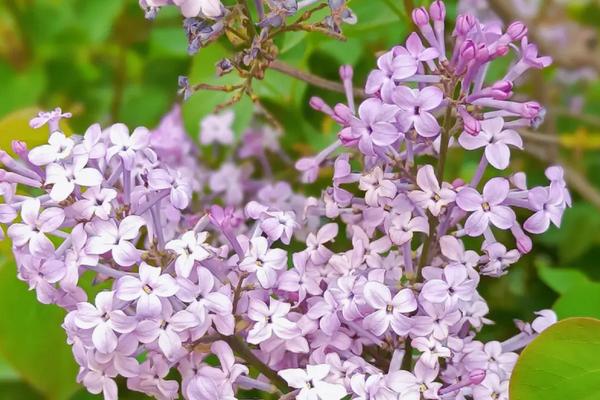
(190, 248)
(126, 146)
(311, 383)
(58, 148)
(106, 236)
(65, 177)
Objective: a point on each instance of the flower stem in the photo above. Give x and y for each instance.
(444, 144)
(238, 346)
(313, 79)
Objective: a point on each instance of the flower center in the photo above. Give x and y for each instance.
(147, 289)
(486, 206)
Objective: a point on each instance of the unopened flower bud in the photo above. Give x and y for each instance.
(504, 86)
(343, 113)
(531, 109)
(437, 10)
(317, 103)
(468, 50)
(458, 182)
(346, 72)
(420, 16)
(464, 24)
(224, 66)
(19, 148)
(517, 30)
(471, 125)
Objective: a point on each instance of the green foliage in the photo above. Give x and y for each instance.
(32, 340)
(562, 363)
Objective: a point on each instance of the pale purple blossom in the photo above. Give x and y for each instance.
(389, 311)
(312, 383)
(190, 249)
(495, 140)
(190, 253)
(486, 208)
(415, 109)
(216, 128)
(35, 227)
(147, 289)
(106, 236)
(270, 320)
(431, 195)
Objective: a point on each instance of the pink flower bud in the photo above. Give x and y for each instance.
(420, 16)
(346, 72)
(437, 10)
(464, 24)
(471, 125)
(531, 109)
(517, 30)
(476, 376)
(468, 50)
(343, 114)
(19, 148)
(458, 182)
(317, 103)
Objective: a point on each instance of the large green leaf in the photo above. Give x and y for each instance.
(561, 280)
(562, 363)
(581, 300)
(579, 231)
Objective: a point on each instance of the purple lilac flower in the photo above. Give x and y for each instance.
(194, 257)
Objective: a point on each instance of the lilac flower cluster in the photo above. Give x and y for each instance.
(378, 299)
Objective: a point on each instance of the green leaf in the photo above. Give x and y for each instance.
(96, 17)
(562, 363)
(32, 340)
(561, 279)
(20, 89)
(7, 373)
(581, 300)
(579, 231)
(18, 390)
(168, 41)
(291, 40)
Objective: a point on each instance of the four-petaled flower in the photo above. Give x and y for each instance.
(105, 319)
(495, 140)
(312, 383)
(147, 289)
(415, 109)
(486, 208)
(263, 261)
(106, 237)
(35, 226)
(189, 249)
(431, 196)
(269, 320)
(388, 310)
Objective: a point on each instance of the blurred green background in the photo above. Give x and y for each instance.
(102, 61)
